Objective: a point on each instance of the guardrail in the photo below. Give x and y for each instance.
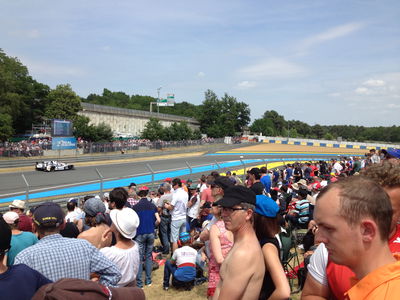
(151, 178)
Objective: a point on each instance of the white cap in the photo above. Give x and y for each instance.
(10, 217)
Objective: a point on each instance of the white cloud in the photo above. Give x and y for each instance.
(385, 87)
(335, 94)
(362, 91)
(331, 34)
(246, 84)
(374, 82)
(201, 74)
(272, 68)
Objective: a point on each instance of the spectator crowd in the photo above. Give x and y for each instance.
(36, 146)
(220, 230)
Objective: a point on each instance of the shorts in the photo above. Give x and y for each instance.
(177, 226)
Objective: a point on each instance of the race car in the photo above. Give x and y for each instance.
(52, 165)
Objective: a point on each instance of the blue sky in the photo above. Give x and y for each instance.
(326, 62)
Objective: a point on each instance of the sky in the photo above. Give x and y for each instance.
(322, 62)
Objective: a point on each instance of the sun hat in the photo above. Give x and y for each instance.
(126, 221)
(17, 204)
(10, 217)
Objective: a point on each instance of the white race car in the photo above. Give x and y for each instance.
(52, 165)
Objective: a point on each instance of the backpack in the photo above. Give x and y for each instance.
(77, 289)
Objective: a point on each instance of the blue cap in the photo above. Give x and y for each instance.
(266, 206)
(393, 152)
(184, 236)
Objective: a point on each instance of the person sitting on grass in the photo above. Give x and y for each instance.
(182, 265)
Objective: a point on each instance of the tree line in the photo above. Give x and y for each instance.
(274, 124)
(25, 101)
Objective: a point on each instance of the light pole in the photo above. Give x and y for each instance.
(288, 130)
(158, 99)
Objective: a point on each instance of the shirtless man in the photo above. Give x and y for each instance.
(242, 271)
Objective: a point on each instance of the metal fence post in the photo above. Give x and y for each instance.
(244, 169)
(101, 183)
(219, 167)
(190, 168)
(152, 174)
(27, 190)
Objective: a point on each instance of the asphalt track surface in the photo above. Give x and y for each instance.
(120, 172)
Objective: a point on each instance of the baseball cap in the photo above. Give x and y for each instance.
(75, 200)
(48, 214)
(126, 221)
(10, 217)
(168, 179)
(235, 195)
(17, 204)
(393, 152)
(266, 206)
(144, 188)
(5, 235)
(106, 195)
(184, 236)
(93, 206)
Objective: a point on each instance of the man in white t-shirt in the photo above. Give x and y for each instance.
(125, 253)
(337, 167)
(182, 265)
(177, 207)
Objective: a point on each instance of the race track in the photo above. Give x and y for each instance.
(121, 172)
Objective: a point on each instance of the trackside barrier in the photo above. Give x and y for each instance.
(153, 179)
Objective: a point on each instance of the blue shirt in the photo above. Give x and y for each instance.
(266, 181)
(57, 257)
(20, 282)
(18, 243)
(146, 211)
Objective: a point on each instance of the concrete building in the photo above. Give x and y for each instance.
(129, 122)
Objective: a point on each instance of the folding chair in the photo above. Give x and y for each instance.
(289, 258)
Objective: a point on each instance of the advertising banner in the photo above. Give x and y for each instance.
(62, 143)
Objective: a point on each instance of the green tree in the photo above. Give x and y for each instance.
(223, 117)
(99, 133)
(277, 120)
(6, 130)
(64, 103)
(21, 97)
(153, 130)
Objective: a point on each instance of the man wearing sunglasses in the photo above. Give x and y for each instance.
(238, 204)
